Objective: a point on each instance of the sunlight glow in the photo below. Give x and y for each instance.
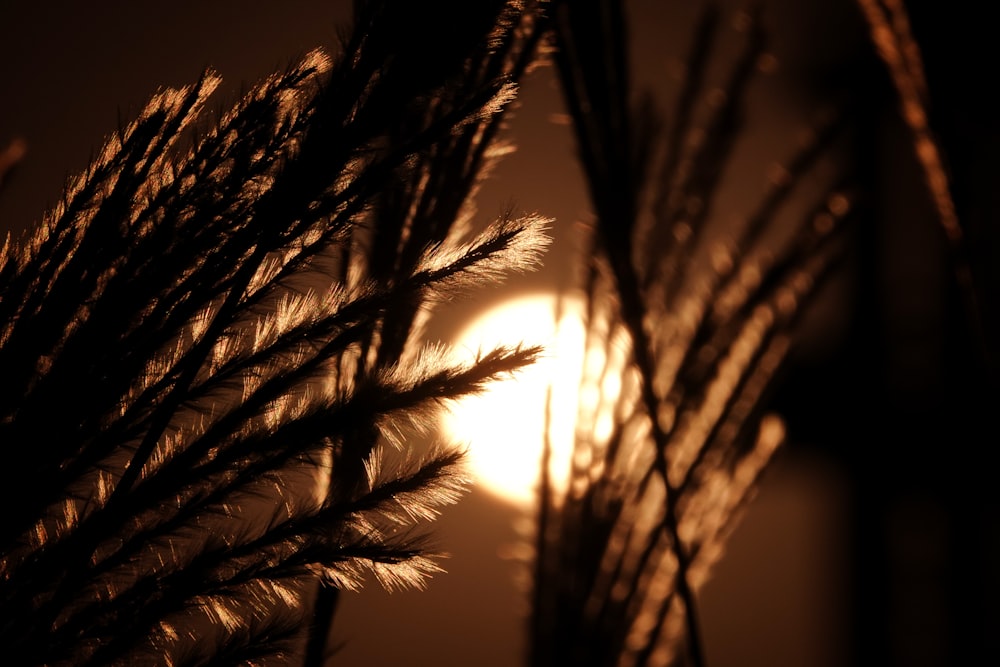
(504, 427)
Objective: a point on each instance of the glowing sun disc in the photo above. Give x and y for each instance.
(504, 427)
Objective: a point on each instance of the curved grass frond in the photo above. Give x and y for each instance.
(195, 345)
(686, 332)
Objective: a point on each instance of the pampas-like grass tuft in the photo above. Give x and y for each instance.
(206, 345)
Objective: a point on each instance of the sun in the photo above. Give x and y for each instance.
(505, 427)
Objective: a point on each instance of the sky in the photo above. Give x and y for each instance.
(70, 71)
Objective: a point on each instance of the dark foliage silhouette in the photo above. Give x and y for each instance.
(693, 341)
(208, 350)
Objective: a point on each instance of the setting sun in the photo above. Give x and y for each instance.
(504, 427)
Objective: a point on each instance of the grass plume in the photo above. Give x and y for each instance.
(673, 431)
(210, 340)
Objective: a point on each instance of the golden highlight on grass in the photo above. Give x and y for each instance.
(209, 343)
